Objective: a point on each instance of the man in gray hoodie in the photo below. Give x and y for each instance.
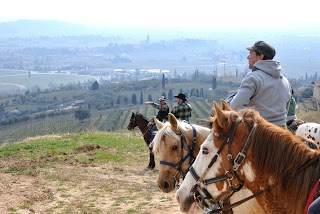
(265, 88)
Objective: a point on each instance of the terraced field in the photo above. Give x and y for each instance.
(103, 120)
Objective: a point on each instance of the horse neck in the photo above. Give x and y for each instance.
(200, 137)
(142, 124)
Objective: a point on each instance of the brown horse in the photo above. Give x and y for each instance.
(142, 123)
(177, 143)
(244, 150)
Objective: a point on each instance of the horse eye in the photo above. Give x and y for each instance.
(205, 150)
(175, 147)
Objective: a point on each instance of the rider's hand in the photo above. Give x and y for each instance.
(150, 125)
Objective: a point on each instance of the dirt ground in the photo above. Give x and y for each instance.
(82, 188)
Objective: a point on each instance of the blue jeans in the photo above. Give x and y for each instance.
(153, 129)
(314, 207)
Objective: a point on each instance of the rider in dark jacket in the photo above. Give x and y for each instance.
(162, 113)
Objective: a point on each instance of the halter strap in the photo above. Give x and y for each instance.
(235, 165)
(178, 165)
(242, 155)
(190, 154)
(230, 206)
(226, 140)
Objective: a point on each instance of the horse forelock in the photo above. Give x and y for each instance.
(185, 129)
(164, 131)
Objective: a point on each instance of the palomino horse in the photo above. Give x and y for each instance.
(177, 143)
(246, 150)
(140, 121)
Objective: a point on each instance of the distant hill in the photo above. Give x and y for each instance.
(30, 28)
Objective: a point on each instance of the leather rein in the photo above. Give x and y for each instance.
(178, 166)
(133, 120)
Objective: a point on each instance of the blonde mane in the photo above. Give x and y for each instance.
(166, 130)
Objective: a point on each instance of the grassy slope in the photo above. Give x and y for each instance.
(89, 172)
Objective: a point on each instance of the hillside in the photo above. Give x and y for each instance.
(41, 113)
(102, 120)
(87, 172)
(90, 172)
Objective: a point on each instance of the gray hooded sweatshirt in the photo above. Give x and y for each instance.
(266, 90)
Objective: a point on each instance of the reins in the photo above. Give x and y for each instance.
(145, 131)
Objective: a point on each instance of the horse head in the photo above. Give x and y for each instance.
(132, 124)
(234, 156)
(177, 143)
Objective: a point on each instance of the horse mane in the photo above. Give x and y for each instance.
(183, 126)
(141, 115)
(280, 154)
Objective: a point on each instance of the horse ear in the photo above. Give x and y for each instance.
(158, 123)
(225, 105)
(220, 116)
(173, 121)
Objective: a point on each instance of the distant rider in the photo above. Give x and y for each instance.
(161, 116)
(183, 110)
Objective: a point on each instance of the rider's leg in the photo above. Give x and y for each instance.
(153, 130)
(314, 208)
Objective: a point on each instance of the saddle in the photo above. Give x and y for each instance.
(314, 194)
(311, 144)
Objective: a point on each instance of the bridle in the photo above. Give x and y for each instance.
(204, 199)
(178, 166)
(201, 195)
(133, 124)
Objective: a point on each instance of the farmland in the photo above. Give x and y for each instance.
(103, 120)
(42, 79)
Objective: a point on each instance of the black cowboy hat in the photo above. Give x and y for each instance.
(181, 96)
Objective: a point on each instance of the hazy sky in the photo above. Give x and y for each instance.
(167, 13)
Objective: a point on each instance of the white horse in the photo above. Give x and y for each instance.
(310, 131)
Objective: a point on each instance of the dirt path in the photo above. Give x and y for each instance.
(76, 188)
